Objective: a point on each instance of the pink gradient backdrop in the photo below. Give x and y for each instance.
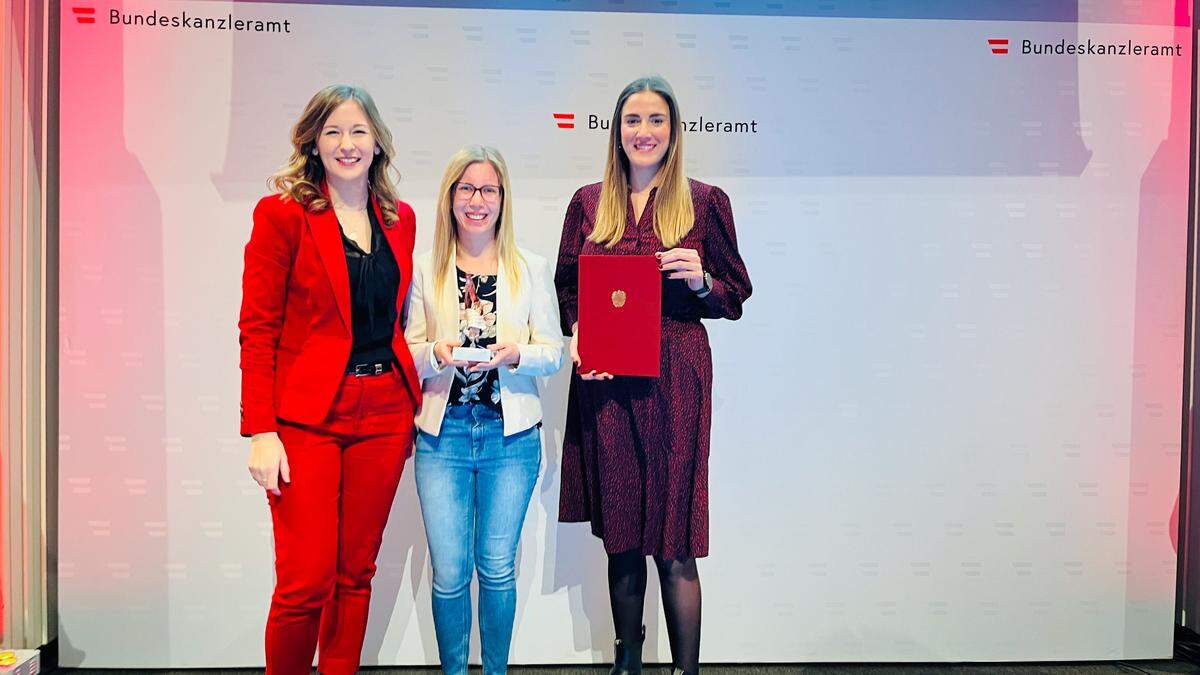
(111, 327)
(1158, 359)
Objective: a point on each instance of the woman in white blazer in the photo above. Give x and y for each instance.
(478, 444)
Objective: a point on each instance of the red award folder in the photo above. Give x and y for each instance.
(620, 314)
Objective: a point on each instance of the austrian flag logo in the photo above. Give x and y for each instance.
(565, 120)
(84, 14)
(998, 45)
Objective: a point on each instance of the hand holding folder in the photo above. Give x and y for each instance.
(620, 314)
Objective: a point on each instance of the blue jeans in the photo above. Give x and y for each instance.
(474, 485)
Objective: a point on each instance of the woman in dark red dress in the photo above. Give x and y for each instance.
(635, 452)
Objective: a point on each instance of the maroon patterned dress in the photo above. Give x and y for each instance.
(635, 452)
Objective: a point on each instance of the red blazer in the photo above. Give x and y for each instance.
(295, 319)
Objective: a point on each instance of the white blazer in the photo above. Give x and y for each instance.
(529, 320)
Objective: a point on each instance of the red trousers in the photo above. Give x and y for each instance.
(329, 524)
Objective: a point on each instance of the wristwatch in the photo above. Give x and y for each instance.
(707, 287)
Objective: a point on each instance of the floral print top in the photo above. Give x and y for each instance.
(477, 328)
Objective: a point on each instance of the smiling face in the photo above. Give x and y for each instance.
(646, 129)
(477, 200)
(346, 143)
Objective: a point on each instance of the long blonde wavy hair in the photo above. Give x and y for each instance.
(674, 215)
(445, 237)
(301, 178)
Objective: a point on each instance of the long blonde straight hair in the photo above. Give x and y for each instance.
(302, 176)
(673, 211)
(445, 237)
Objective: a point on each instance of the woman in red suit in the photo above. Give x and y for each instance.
(635, 449)
(328, 383)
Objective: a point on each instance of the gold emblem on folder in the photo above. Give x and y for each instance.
(618, 298)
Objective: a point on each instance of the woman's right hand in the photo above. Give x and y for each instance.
(443, 350)
(574, 349)
(268, 462)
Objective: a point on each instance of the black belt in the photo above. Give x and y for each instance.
(369, 369)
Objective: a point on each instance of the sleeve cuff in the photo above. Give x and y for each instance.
(524, 366)
(433, 359)
(258, 427)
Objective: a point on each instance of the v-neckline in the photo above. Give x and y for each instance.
(370, 234)
(639, 218)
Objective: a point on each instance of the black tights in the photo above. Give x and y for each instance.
(680, 585)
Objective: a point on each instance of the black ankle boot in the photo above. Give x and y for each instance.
(627, 656)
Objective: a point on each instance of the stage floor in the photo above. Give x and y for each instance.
(1107, 668)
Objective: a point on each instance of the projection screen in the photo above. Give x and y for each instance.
(947, 427)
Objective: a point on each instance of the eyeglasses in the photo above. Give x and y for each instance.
(465, 192)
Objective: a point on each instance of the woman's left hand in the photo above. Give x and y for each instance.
(505, 354)
(682, 263)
